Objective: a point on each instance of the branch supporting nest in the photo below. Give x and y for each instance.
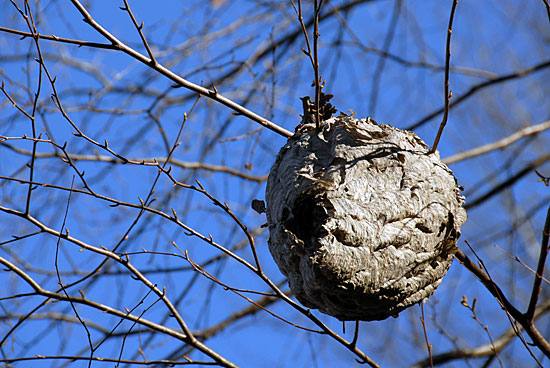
(363, 219)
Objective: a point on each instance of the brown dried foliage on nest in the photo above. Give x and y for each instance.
(362, 219)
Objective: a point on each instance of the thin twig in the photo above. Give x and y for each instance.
(428, 345)
(355, 333)
(80, 43)
(60, 283)
(312, 55)
(518, 260)
(145, 310)
(14, 104)
(318, 83)
(139, 28)
(446, 84)
(472, 309)
(27, 16)
(228, 210)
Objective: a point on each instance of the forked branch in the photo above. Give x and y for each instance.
(526, 320)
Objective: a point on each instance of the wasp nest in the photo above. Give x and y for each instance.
(362, 219)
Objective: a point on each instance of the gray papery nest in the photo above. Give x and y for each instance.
(362, 219)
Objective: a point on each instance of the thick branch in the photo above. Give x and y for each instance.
(537, 286)
(508, 182)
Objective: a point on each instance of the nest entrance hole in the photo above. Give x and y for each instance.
(306, 217)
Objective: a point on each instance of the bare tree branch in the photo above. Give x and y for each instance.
(501, 143)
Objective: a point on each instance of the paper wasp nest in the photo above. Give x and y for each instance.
(362, 220)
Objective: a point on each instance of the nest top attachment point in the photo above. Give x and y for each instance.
(362, 219)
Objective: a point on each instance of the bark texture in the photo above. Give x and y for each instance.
(362, 220)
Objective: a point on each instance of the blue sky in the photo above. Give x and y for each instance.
(112, 97)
